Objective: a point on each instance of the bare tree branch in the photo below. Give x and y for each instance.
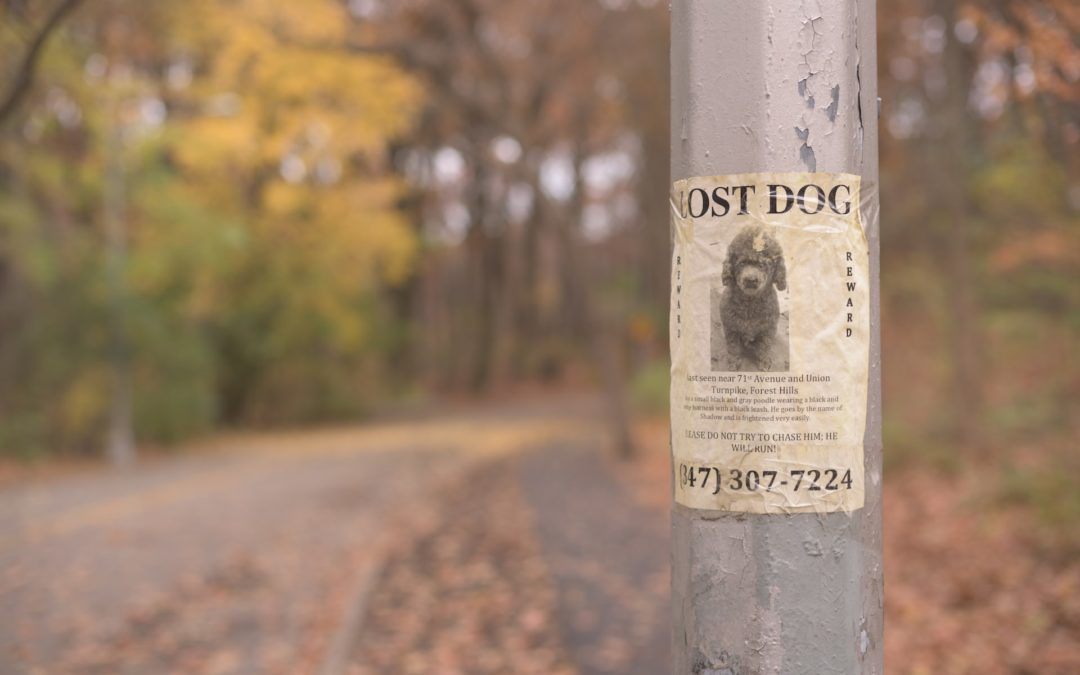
(24, 76)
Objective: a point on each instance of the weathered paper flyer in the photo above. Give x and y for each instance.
(770, 342)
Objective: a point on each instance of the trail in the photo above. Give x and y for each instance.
(241, 559)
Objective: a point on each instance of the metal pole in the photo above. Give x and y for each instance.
(781, 86)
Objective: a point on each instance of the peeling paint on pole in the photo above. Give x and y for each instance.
(772, 86)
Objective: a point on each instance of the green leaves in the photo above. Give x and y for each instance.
(258, 217)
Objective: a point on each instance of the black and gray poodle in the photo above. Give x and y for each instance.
(753, 272)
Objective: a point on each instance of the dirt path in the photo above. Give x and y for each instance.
(470, 594)
(243, 560)
(609, 557)
(543, 563)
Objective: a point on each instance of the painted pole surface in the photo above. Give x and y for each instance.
(781, 86)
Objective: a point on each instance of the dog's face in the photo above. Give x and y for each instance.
(753, 277)
(754, 263)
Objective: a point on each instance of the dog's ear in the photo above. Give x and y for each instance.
(780, 274)
(727, 274)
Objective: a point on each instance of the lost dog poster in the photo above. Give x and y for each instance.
(770, 342)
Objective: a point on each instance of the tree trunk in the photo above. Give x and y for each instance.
(589, 319)
(956, 147)
(120, 448)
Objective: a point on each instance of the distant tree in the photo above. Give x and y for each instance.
(197, 196)
(969, 88)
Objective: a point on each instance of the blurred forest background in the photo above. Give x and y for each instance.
(237, 214)
(218, 214)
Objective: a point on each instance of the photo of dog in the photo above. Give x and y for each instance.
(749, 328)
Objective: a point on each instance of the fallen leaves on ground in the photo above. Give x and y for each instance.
(966, 589)
(468, 594)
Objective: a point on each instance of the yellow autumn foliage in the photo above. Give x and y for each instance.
(280, 132)
(288, 129)
(276, 78)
